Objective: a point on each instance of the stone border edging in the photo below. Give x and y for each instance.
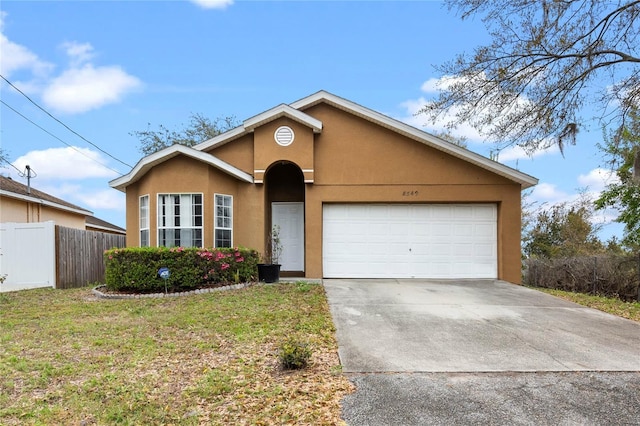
(96, 291)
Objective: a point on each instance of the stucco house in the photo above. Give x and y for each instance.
(23, 204)
(355, 193)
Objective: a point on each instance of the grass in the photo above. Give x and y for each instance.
(69, 358)
(629, 310)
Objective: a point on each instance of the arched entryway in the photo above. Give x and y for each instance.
(285, 194)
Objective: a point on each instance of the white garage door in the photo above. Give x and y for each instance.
(409, 241)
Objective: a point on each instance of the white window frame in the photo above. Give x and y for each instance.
(216, 225)
(144, 220)
(186, 220)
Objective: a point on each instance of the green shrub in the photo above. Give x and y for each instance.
(294, 354)
(135, 269)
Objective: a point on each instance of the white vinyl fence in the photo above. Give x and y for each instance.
(27, 255)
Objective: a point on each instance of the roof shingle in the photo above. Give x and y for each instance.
(10, 185)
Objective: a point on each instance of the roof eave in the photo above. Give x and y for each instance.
(106, 228)
(148, 162)
(283, 110)
(407, 130)
(43, 202)
(250, 124)
(221, 139)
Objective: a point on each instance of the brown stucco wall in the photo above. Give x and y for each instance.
(238, 152)
(17, 211)
(353, 161)
(357, 161)
(300, 152)
(182, 174)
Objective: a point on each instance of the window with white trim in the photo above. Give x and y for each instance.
(180, 220)
(144, 221)
(223, 221)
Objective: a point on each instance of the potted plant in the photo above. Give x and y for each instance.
(269, 271)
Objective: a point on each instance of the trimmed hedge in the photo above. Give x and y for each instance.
(135, 269)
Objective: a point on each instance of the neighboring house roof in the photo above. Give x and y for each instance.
(14, 189)
(295, 111)
(102, 225)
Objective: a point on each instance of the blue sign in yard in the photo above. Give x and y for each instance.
(164, 273)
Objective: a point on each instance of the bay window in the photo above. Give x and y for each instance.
(180, 220)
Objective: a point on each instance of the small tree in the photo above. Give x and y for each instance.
(563, 230)
(199, 129)
(461, 141)
(273, 246)
(623, 150)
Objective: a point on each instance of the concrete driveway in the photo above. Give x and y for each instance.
(481, 352)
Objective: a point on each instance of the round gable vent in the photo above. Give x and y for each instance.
(284, 135)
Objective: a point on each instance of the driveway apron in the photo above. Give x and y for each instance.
(419, 351)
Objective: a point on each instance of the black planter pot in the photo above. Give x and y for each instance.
(268, 273)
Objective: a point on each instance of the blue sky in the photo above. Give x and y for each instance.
(108, 68)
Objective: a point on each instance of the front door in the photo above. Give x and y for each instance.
(290, 218)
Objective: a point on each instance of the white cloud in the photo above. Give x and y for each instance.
(518, 153)
(65, 164)
(83, 89)
(435, 85)
(107, 199)
(73, 176)
(213, 4)
(85, 195)
(545, 195)
(79, 53)
(431, 86)
(412, 106)
(83, 86)
(413, 118)
(594, 183)
(605, 217)
(591, 184)
(548, 193)
(15, 57)
(597, 179)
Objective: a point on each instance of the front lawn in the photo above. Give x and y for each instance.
(611, 305)
(69, 358)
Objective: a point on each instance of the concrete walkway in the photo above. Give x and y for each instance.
(481, 352)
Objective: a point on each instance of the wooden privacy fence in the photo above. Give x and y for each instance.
(79, 259)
